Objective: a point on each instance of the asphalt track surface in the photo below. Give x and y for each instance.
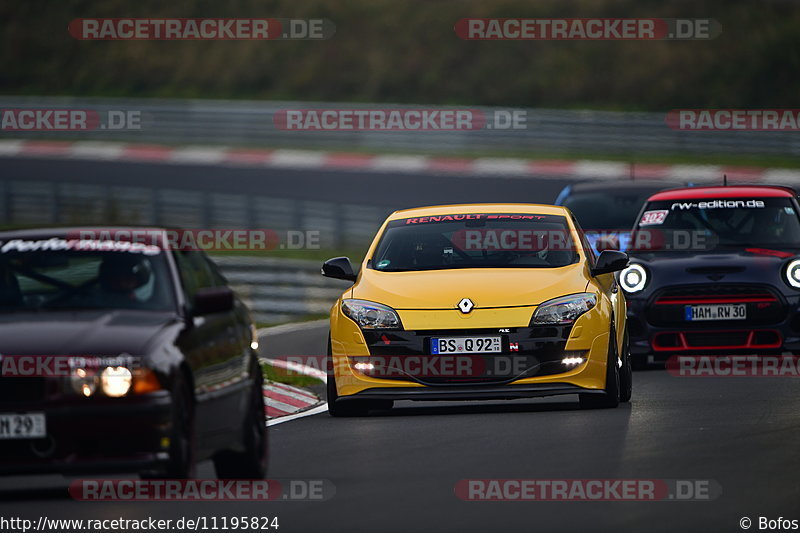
(397, 470)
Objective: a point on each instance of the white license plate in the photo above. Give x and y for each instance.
(22, 426)
(694, 313)
(465, 345)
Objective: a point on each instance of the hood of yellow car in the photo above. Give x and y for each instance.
(486, 287)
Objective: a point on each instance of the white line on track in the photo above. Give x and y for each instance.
(315, 411)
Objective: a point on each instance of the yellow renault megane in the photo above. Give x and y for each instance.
(480, 301)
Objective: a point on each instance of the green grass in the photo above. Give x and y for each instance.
(279, 375)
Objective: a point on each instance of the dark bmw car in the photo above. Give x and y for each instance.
(714, 270)
(123, 357)
(606, 213)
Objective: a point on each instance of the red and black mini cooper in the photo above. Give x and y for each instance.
(715, 270)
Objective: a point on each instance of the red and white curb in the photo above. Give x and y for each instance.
(281, 399)
(282, 402)
(413, 164)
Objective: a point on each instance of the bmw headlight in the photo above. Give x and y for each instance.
(792, 273)
(563, 310)
(116, 381)
(371, 315)
(83, 381)
(633, 278)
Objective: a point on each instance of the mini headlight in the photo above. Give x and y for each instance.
(633, 278)
(792, 273)
(564, 310)
(116, 381)
(370, 315)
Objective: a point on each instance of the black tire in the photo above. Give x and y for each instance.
(251, 463)
(611, 395)
(338, 408)
(626, 372)
(181, 463)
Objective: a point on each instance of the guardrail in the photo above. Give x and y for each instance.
(281, 290)
(37, 202)
(243, 123)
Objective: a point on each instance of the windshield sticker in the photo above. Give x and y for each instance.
(384, 263)
(719, 204)
(789, 210)
(80, 245)
(471, 216)
(653, 218)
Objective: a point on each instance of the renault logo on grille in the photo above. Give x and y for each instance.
(465, 305)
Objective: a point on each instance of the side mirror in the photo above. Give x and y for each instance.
(610, 261)
(607, 242)
(338, 268)
(213, 300)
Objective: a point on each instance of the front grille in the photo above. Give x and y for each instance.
(22, 389)
(667, 307)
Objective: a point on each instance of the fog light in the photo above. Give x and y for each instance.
(116, 381)
(572, 361)
(254, 345)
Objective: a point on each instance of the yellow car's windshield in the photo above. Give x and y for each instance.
(493, 240)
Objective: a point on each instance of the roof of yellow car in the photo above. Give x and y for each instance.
(461, 209)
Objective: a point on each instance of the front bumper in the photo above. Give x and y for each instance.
(658, 329)
(529, 364)
(94, 435)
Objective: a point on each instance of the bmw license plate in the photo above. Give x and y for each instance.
(715, 312)
(22, 426)
(465, 345)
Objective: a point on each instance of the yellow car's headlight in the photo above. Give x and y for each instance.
(563, 310)
(371, 315)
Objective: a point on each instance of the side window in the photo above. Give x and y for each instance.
(195, 273)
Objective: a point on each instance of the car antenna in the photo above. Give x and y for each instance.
(724, 180)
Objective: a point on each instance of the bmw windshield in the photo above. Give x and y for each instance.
(475, 241)
(49, 274)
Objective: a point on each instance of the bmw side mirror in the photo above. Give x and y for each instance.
(212, 300)
(338, 268)
(610, 261)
